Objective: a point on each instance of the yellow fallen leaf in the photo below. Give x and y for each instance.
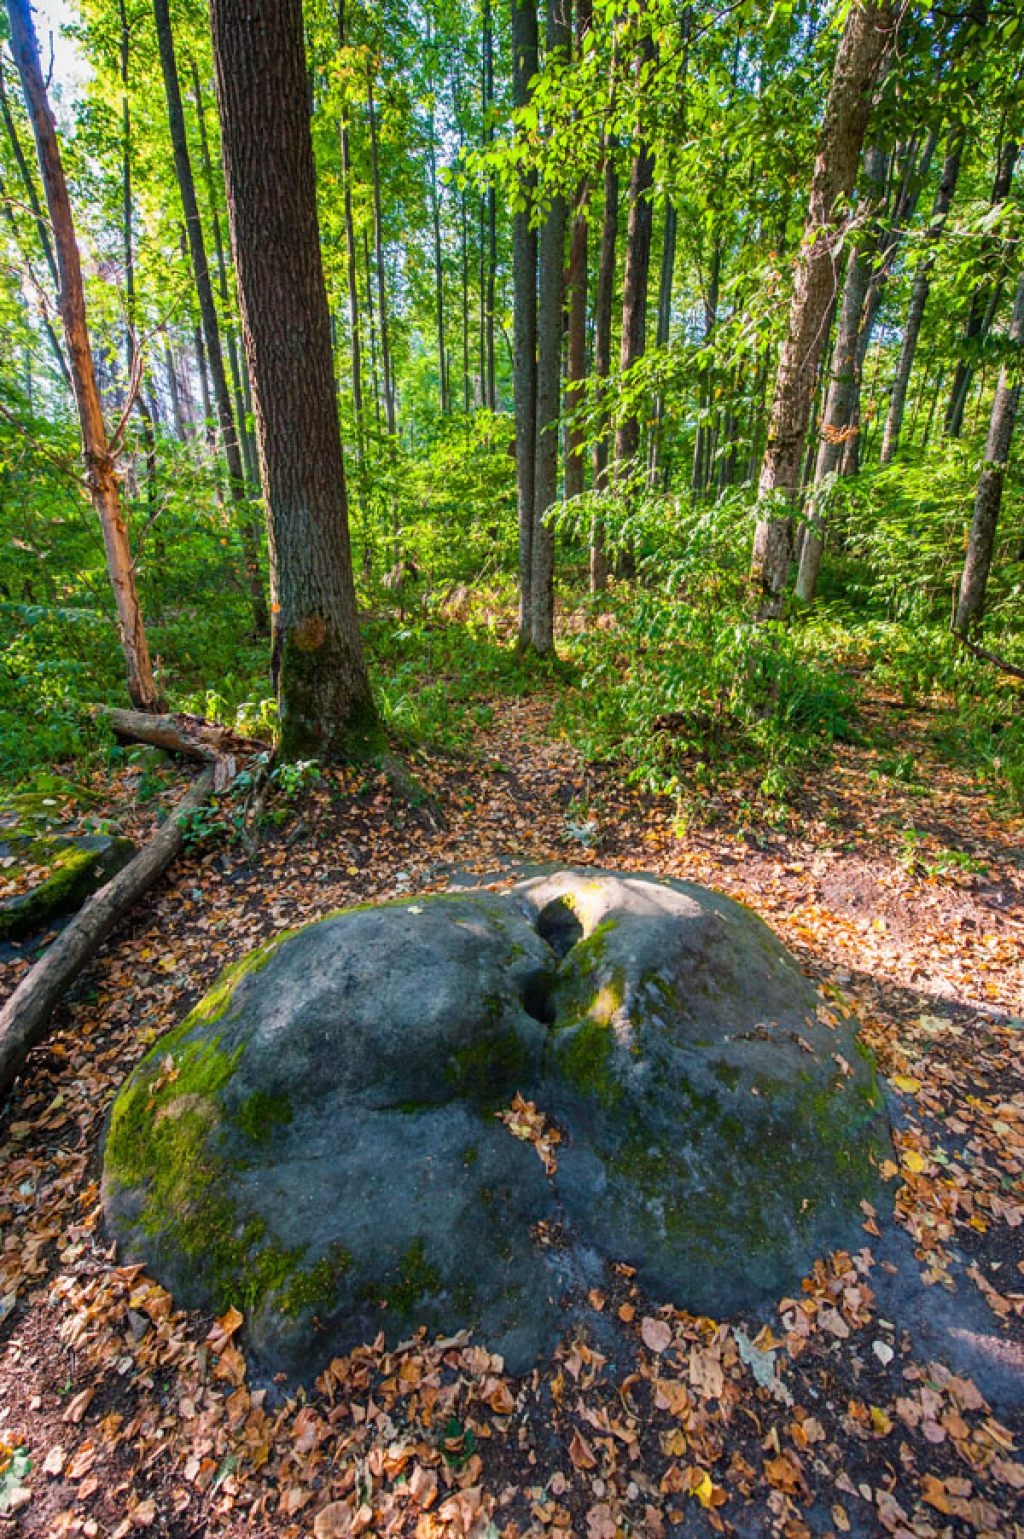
(914, 1162)
(906, 1082)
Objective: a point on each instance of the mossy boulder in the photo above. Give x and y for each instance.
(44, 876)
(317, 1142)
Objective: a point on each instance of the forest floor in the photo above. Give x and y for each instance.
(897, 1402)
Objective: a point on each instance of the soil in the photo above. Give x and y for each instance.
(886, 1396)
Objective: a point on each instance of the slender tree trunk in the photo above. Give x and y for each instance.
(487, 294)
(435, 219)
(378, 242)
(132, 360)
(208, 312)
(665, 287)
(635, 279)
(919, 297)
(989, 494)
(464, 236)
(549, 380)
(867, 35)
(576, 350)
(603, 310)
(351, 263)
(979, 311)
(905, 206)
(844, 375)
(374, 373)
(325, 707)
(238, 388)
(101, 473)
(524, 277)
(702, 454)
(42, 229)
(576, 296)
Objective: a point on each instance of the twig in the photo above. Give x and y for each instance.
(985, 656)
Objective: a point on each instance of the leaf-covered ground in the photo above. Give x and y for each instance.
(885, 1396)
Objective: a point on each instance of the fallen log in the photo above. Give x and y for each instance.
(25, 1016)
(190, 735)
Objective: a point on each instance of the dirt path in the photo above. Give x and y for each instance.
(898, 1399)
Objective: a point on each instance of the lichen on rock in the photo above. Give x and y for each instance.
(317, 1141)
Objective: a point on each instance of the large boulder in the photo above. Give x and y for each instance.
(317, 1142)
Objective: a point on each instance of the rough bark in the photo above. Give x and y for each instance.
(325, 707)
(989, 494)
(867, 35)
(524, 279)
(26, 1015)
(919, 297)
(101, 472)
(208, 316)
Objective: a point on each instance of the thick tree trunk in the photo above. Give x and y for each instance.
(208, 313)
(26, 1015)
(980, 309)
(524, 278)
(603, 310)
(919, 297)
(325, 707)
(988, 496)
(101, 474)
(867, 35)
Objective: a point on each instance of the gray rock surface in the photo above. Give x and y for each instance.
(318, 1143)
(65, 868)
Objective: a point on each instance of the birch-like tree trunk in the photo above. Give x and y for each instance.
(101, 471)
